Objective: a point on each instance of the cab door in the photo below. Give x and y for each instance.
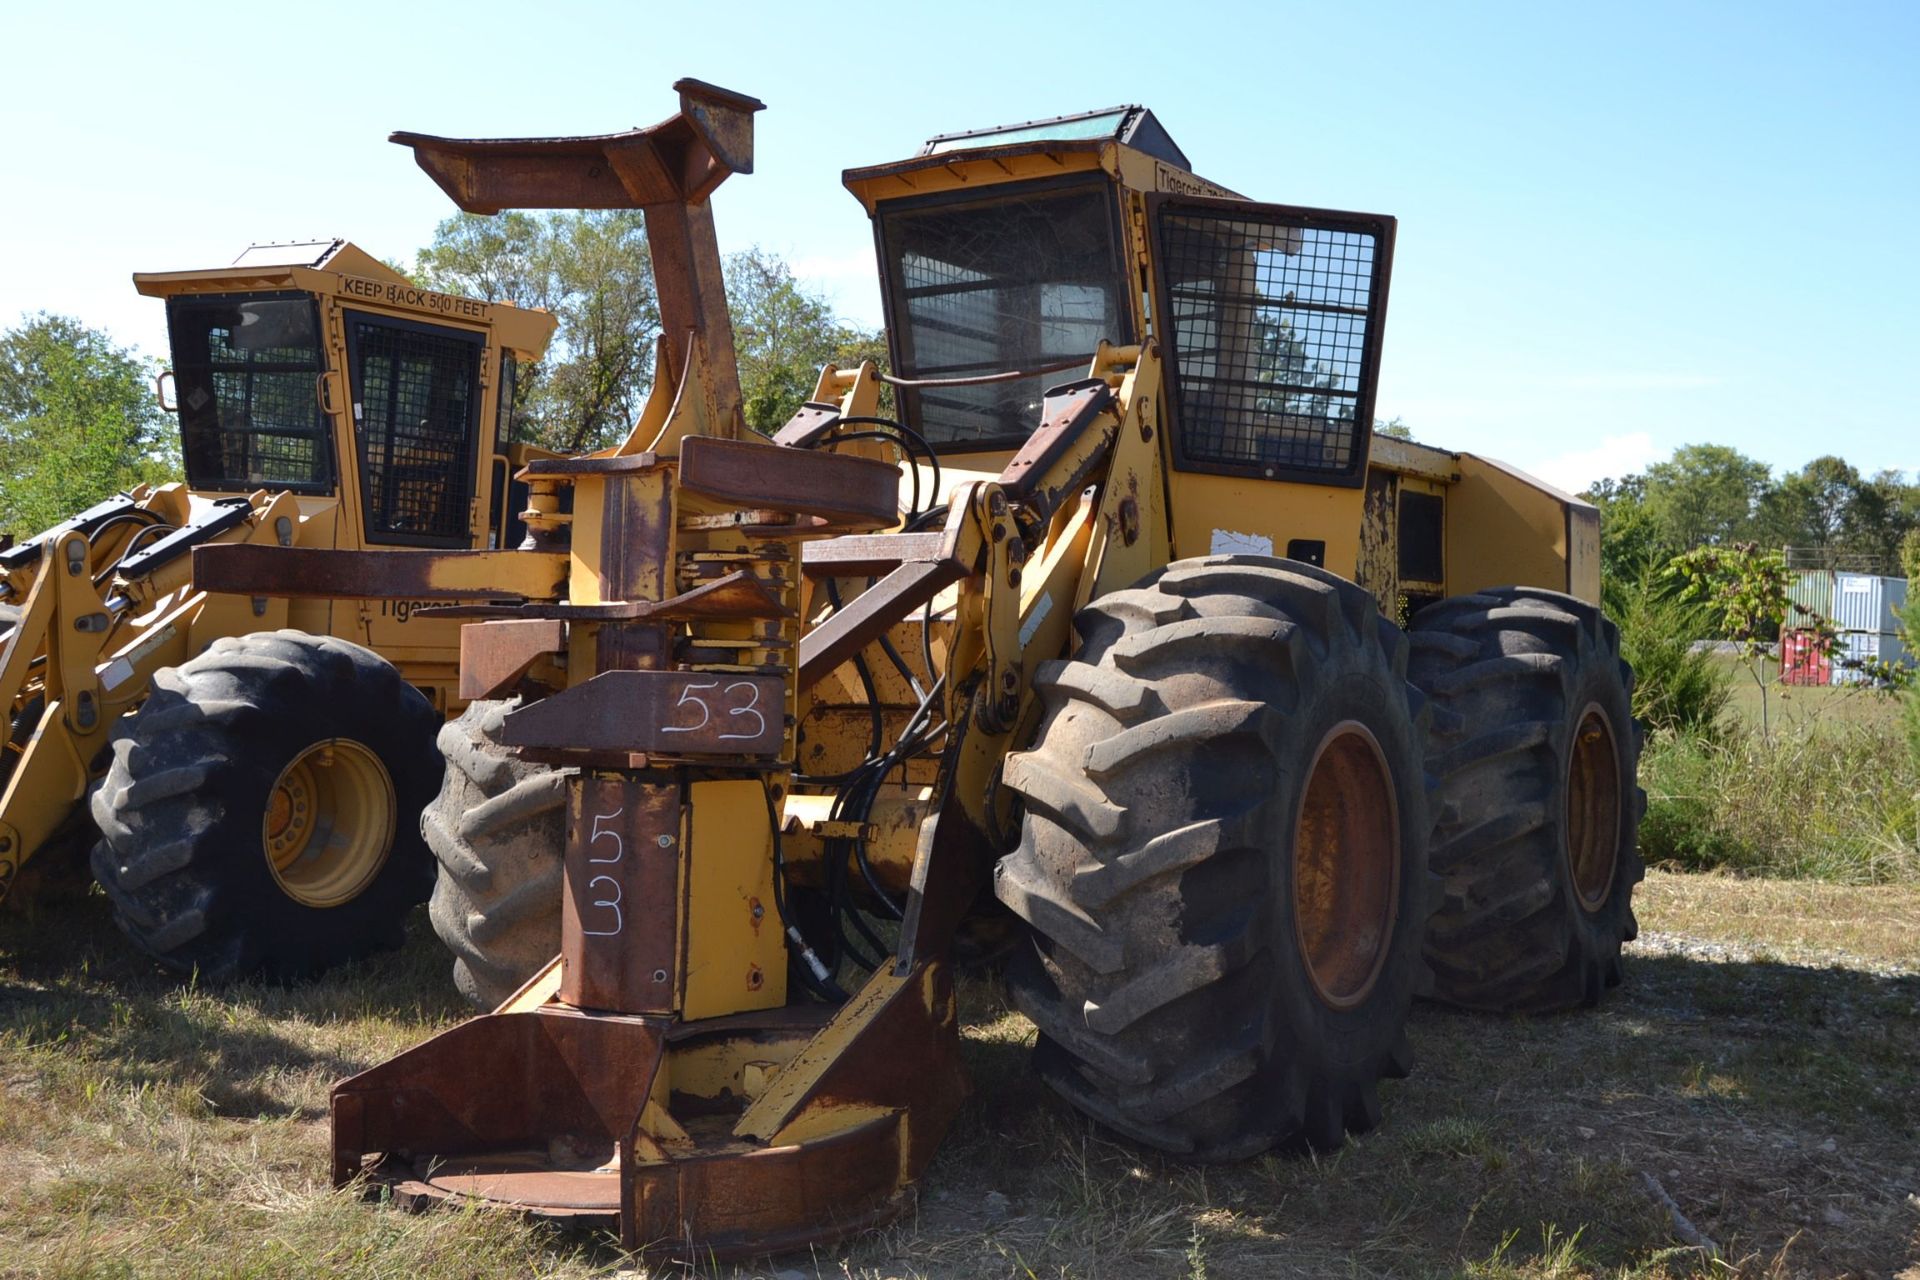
(416, 398)
(416, 417)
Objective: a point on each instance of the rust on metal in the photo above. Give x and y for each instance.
(1067, 413)
(662, 712)
(559, 1087)
(1378, 569)
(735, 595)
(547, 1112)
(259, 569)
(868, 616)
(841, 487)
(678, 161)
(624, 464)
(668, 171)
(949, 870)
(1346, 865)
(808, 423)
(1593, 808)
(620, 907)
(495, 655)
(863, 555)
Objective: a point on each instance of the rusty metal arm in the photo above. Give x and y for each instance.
(318, 573)
(870, 614)
(668, 171)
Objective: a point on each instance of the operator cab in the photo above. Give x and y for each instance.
(1019, 248)
(412, 439)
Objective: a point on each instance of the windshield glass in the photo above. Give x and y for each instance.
(1013, 280)
(249, 414)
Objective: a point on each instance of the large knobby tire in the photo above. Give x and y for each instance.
(1223, 859)
(498, 829)
(259, 817)
(1534, 745)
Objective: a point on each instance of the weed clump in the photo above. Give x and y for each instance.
(1678, 686)
(1841, 805)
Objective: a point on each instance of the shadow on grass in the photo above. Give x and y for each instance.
(70, 981)
(1774, 1102)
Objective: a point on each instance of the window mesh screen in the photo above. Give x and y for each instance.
(414, 403)
(989, 286)
(1268, 319)
(245, 370)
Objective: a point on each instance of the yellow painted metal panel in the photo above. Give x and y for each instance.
(583, 584)
(1505, 529)
(736, 955)
(1234, 513)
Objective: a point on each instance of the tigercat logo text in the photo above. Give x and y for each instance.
(402, 610)
(406, 295)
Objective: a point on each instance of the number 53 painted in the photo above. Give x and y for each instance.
(721, 712)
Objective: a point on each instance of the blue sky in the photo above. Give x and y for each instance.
(1622, 228)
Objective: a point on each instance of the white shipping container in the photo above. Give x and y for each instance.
(1868, 602)
(1857, 602)
(1859, 646)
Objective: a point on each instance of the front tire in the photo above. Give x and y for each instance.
(1536, 751)
(258, 817)
(1223, 860)
(499, 830)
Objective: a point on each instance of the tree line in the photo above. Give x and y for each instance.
(79, 420)
(1827, 514)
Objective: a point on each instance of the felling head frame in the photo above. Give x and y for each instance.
(668, 172)
(655, 1074)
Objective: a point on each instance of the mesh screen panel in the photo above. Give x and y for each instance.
(249, 414)
(1268, 318)
(414, 400)
(994, 285)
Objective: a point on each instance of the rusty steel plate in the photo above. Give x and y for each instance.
(494, 655)
(661, 712)
(619, 945)
(842, 487)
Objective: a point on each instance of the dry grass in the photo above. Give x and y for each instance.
(1798, 920)
(147, 1131)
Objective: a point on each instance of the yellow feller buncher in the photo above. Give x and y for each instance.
(256, 764)
(1096, 641)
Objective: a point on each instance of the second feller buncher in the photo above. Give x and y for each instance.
(1123, 634)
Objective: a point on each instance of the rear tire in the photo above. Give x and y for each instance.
(1223, 860)
(258, 817)
(1536, 837)
(498, 829)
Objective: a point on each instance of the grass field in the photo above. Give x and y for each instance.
(1800, 708)
(1759, 1065)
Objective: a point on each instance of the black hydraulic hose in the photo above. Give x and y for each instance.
(877, 734)
(926, 447)
(817, 977)
(133, 544)
(898, 442)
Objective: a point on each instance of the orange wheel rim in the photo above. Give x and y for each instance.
(1593, 809)
(1346, 865)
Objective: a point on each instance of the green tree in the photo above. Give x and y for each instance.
(1879, 513)
(1706, 495)
(1744, 590)
(1395, 428)
(593, 271)
(1633, 543)
(783, 335)
(78, 422)
(1808, 507)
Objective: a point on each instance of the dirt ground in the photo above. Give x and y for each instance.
(1756, 1083)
